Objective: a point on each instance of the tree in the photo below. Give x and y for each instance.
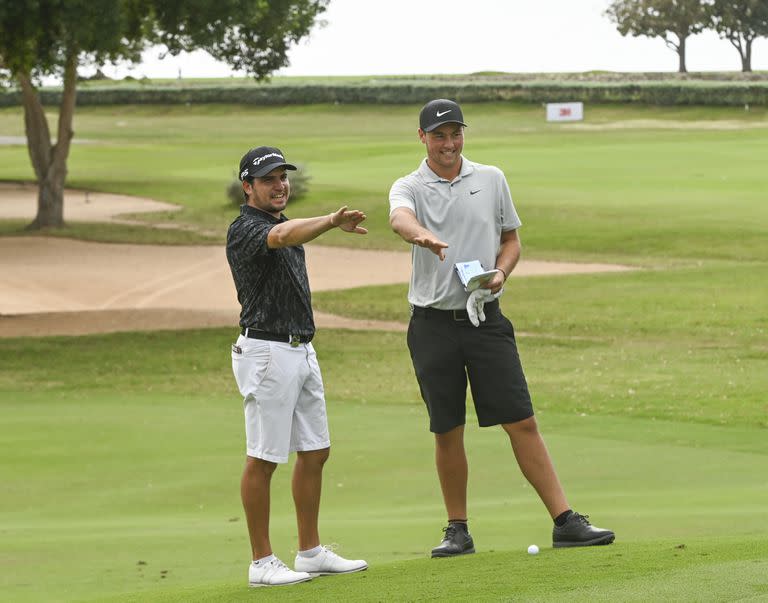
(672, 20)
(54, 37)
(740, 23)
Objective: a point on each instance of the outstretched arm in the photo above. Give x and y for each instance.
(302, 230)
(405, 223)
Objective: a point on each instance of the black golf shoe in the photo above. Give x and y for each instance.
(577, 531)
(457, 541)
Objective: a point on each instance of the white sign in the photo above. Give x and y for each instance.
(565, 111)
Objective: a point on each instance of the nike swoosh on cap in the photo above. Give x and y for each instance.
(444, 112)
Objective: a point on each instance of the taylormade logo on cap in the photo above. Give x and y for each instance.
(438, 112)
(260, 161)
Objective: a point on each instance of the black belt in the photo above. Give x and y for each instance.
(294, 340)
(491, 307)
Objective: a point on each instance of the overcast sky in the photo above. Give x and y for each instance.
(390, 37)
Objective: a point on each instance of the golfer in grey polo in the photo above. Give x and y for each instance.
(453, 210)
(471, 212)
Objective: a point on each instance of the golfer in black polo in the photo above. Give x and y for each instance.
(455, 211)
(276, 367)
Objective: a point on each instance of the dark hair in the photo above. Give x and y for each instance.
(249, 180)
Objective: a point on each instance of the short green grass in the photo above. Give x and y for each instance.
(112, 233)
(123, 466)
(684, 184)
(121, 453)
(701, 570)
(685, 344)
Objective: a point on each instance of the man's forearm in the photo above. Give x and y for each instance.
(404, 222)
(509, 253)
(408, 227)
(508, 258)
(299, 231)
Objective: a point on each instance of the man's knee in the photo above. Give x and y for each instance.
(259, 467)
(315, 458)
(450, 439)
(525, 427)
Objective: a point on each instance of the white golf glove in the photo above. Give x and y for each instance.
(476, 304)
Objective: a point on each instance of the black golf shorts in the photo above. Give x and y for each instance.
(446, 349)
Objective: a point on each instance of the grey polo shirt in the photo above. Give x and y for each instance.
(469, 214)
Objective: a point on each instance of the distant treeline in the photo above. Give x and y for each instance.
(675, 21)
(670, 92)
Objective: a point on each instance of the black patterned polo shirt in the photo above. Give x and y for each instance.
(272, 284)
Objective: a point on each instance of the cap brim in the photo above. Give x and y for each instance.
(272, 166)
(440, 123)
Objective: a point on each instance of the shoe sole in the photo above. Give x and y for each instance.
(259, 584)
(443, 555)
(352, 571)
(595, 542)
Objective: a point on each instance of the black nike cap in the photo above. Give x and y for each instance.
(438, 112)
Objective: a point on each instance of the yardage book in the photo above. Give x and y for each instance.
(472, 274)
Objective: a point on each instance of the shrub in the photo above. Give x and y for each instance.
(475, 88)
(235, 191)
(299, 182)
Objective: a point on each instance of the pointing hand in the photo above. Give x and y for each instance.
(432, 243)
(349, 220)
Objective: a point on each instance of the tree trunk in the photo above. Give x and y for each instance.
(681, 54)
(746, 59)
(48, 160)
(744, 47)
(50, 201)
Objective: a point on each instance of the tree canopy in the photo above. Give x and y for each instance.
(54, 37)
(672, 20)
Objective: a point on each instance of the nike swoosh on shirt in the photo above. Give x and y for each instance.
(444, 112)
(473, 192)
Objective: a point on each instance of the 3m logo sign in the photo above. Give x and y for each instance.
(565, 111)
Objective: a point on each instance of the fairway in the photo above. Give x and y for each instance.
(641, 182)
(121, 453)
(132, 466)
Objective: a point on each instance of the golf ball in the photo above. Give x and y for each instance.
(533, 550)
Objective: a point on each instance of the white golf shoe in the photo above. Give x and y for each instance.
(274, 573)
(327, 562)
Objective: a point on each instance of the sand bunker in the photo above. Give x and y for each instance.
(66, 287)
(53, 286)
